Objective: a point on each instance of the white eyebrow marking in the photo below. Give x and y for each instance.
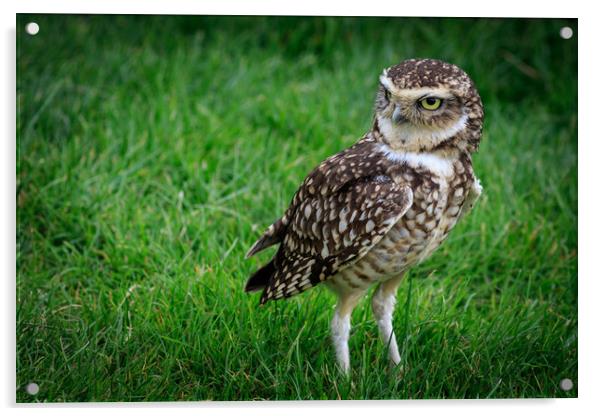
(413, 93)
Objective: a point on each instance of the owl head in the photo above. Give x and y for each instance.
(426, 104)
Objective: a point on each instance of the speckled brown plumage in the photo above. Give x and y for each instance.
(342, 209)
(420, 73)
(370, 212)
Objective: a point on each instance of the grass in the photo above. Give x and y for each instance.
(152, 151)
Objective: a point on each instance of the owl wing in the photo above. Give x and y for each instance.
(359, 161)
(328, 231)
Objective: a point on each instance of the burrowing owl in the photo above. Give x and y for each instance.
(370, 212)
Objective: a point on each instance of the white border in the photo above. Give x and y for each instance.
(590, 287)
(508, 8)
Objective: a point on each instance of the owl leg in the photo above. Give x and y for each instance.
(341, 325)
(383, 304)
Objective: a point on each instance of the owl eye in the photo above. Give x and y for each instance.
(430, 103)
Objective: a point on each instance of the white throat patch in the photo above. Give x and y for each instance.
(435, 163)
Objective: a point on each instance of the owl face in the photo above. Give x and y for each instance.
(421, 104)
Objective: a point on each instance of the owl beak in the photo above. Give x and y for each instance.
(398, 118)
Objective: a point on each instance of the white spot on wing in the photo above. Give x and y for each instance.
(324, 253)
(307, 210)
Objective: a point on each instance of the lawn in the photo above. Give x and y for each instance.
(153, 151)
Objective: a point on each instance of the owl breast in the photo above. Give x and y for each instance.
(437, 204)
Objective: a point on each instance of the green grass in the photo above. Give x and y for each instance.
(152, 151)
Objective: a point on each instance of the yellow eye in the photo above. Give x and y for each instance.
(430, 103)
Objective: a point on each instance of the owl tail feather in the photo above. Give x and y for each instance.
(261, 277)
(274, 234)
